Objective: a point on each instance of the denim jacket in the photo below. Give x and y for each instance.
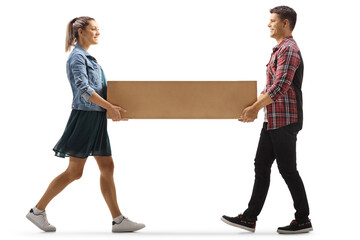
(86, 77)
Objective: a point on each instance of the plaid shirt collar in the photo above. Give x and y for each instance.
(282, 43)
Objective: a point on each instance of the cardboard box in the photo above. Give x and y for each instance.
(182, 99)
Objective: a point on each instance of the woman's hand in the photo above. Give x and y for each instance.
(113, 110)
(115, 113)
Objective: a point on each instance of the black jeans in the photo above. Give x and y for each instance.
(279, 144)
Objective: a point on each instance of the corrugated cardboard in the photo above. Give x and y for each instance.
(182, 99)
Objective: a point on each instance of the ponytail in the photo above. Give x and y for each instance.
(72, 28)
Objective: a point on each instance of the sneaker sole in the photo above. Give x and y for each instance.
(237, 225)
(306, 230)
(36, 224)
(128, 229)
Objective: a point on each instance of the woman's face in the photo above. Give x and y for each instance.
(90, 34)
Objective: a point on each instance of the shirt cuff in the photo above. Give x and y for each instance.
(274, 92)
(271, 95)
(89, 91)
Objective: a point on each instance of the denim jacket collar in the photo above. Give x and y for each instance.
(81, 49)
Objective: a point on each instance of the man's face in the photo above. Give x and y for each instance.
(276, 26)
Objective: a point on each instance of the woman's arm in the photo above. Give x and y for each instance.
(112, 110)
(78, 68)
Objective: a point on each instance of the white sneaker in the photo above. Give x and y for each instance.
(126, 225)
(40, 220)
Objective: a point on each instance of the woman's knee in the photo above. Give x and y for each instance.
(75, 168)
(74, 174)
(106, 165)
(108, 168)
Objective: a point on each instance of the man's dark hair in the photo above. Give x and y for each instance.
(286, 12)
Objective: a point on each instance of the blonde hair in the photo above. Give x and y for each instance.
(72, 35)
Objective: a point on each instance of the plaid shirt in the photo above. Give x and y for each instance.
(281, 85)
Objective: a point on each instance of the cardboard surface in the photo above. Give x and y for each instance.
(182, 99)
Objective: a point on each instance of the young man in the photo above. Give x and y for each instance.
(282, 100)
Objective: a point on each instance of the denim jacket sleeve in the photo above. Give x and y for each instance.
(78, 69)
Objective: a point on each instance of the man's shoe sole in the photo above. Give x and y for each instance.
(305, 230)
(237, 225)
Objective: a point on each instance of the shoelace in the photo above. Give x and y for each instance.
(246, 221)
(293, 222)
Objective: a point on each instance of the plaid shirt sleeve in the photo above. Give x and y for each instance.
(288, 61)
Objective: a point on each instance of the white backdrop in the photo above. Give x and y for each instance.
(177, 176)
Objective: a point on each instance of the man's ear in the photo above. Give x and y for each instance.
(285, 23)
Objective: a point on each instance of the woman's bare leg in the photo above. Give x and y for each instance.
(106, 166)
(73, 172)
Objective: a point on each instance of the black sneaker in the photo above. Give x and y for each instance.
(296, 227)
(241, 222)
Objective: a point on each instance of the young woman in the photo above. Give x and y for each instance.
(86, 131)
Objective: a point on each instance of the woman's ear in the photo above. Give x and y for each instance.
(80, 31)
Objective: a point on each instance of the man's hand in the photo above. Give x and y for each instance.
(249, 114)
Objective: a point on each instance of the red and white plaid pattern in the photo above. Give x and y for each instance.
(280, 72)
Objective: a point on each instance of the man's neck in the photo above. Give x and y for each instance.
(280, 39)
(283, 36)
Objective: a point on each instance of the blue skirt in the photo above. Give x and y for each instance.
(85, 135)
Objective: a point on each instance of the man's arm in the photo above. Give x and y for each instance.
(288, 62)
